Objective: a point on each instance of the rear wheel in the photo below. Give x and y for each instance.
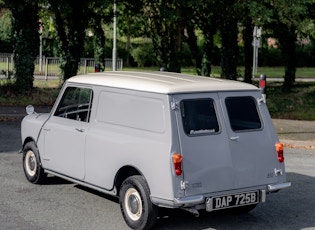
(136, 206)
(31, 164)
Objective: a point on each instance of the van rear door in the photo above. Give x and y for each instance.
(207, 162)
(216, 155)
(251, 137)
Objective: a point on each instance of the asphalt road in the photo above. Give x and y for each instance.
(63, 205)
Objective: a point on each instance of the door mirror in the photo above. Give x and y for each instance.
(29, 109)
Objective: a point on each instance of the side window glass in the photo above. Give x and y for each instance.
(243, 113)
(75, 104)
(199, 116)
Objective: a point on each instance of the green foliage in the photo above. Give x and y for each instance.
(26, 40)
(5, 25)
(288, 19)
(297, 104)
(143, 55)
(71, 22)
(70, 18)
(270, 57)
(165, 29)
(305, 55)
(174, 27)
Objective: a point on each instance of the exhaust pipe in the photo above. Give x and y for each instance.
(193, 211)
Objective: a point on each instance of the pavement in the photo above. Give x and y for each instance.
(293, 133)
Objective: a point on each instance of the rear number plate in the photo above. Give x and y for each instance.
(233, 200)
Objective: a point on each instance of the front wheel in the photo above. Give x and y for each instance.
(31, 164)
(136, 206)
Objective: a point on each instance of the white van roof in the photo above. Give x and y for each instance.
(160, 82)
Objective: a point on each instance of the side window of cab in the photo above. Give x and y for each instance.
(76, 104)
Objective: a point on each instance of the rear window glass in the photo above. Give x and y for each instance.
(199, 116)
(243, 113)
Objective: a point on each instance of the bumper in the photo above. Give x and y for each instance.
(192, 201)
(277, 187)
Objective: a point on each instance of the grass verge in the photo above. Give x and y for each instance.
(43, 93)
(299, 104)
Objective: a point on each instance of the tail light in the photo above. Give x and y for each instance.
(279, 150)
(177, 161)
(262, 83)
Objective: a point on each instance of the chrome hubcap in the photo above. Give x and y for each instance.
(31, 163)
(133, 204)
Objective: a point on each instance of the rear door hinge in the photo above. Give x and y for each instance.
(174, 105)
(261, 100)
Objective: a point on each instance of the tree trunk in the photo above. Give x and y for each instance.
(289, 57)
(194, 49)
(207, 53)
(229, 32)
(175, 47)
(99, 43)
(26, 40)
(128, 45)
(70, 25)
(166, 32)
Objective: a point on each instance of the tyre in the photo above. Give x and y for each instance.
(136, 206)
(31, 164)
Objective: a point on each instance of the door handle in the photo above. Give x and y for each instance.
(80, 130)
(236, 138)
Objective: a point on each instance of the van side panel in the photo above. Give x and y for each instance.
(130, 129)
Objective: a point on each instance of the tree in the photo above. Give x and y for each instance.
(287, 22)
(203, 17)
(248, 49)
(166, 31)
(132, 23)
(26, 39)
(251, 14)
(101, 13)
(5, 30)
(229, 35)
(247, 10)
(71, 19)
(191, 39)
(212, 16)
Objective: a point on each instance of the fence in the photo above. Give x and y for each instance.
(6, 64)
(49, 66)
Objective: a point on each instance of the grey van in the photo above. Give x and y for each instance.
(158, 139)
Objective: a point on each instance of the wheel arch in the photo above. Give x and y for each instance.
(27, 140)
(125, 172)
